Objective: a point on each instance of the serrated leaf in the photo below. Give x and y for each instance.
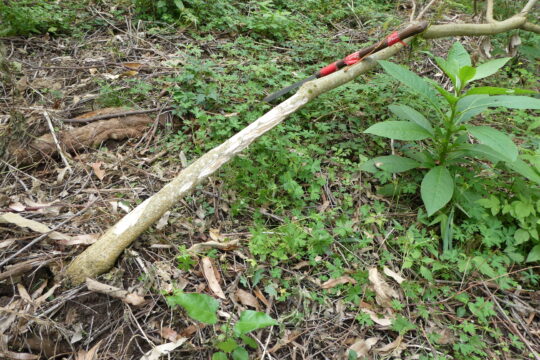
(489, 68)
(200, 307)
(398, 130)
(534, 255)
(252, 320)
(410, 79)
(437, 189)
(394, 163)
(491, 90)
(405, 112)
(496, 140)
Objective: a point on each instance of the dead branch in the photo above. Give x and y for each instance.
(83, 137)
(101, 256)
(81, 119)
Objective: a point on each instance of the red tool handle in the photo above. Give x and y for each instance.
(390, 40)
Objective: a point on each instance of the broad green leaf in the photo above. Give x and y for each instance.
(399, 130)
(405, 112)
(534, 255)
(451, 69)
(394, 163)
(228, 345)
(489, 68)
(458, 54)
(252, 320)
(521, 236)
(219, 356)
(200, 307)
(437, 189)
(240, 354)
(513, 102)
(491, 90)
(466, 73)
(472, 105)
(410, 79)
(524, 169)
(496, 140)
(484, 152)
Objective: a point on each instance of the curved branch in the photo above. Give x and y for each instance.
(489, 11)
(528, 7)
(439, 31)
(531, 27)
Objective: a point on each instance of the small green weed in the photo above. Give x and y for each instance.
(203, 308)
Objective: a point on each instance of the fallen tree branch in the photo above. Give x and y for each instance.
(101, 256)
(118, 114)
(83, 137)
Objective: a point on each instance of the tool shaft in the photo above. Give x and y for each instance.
(395, 37)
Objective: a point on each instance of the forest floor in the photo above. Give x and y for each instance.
(291, 227)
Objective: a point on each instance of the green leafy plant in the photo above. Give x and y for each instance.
(25, 17)
(233, 340)
(446, 150)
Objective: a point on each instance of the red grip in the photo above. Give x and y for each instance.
(393, 38)
(328, 69)
(352, 58)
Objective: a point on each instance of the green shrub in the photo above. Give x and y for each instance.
(25, 17)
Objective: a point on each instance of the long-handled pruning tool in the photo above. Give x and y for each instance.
(393, 38)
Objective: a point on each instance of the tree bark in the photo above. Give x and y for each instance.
(101, 256)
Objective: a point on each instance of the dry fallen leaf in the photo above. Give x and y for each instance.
(383, 292)
(6, 354)
(133, 65)
(247, 299)
(383, 321)
(168, 334)
(216, 235)
(90, 354)
(205, 246)
(100, 173)
(261, 297)
(340, 280)
(362, 347)
(20, 221)
(393, 275)
(163, 220)
(164, 349)
(394, 348)
(113, 291)
(211, 278)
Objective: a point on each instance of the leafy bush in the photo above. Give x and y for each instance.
(25, 17)
(446, 151)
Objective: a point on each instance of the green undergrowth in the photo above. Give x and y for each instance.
(329, 215)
